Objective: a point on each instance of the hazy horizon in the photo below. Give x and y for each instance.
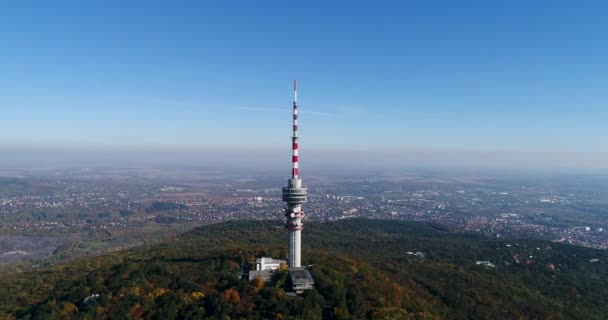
(314, 159)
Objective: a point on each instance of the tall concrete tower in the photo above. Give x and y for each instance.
(294, 194)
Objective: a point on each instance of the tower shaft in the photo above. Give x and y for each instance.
(294, 194)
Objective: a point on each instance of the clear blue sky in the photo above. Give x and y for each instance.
(374, 75)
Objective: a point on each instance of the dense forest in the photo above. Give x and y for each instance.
(363, 269)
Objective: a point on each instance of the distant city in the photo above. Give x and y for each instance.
(86, 211)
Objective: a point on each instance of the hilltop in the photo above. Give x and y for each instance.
(363, 269)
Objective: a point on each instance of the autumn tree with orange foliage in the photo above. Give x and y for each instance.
(232, 296)
(258, 284)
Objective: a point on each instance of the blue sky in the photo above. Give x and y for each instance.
(479, 76)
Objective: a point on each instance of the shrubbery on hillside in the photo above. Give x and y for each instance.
(361, 268)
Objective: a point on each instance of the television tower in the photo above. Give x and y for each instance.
(294, 194)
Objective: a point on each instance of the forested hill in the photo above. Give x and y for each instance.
(364, 269)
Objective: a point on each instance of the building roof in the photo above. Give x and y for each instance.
(268, 260)
(300, 276)
(264, 274)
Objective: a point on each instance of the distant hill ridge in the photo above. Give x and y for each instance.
(363, 269)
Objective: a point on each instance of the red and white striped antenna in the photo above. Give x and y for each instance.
(295, 160)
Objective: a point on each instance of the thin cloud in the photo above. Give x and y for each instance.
(350, 109)
(284, 111)
(262, 110)
(317, 113)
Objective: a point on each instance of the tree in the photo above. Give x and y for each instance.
(258, 284)
(232, 296)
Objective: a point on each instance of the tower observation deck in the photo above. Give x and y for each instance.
(295, 194)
